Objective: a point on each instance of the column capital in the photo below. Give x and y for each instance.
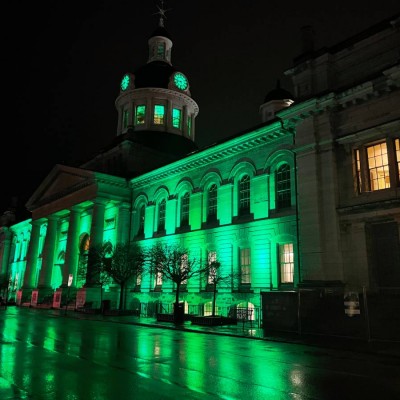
(76, 208)
(124, 205)
(99, 201)
(38, 222)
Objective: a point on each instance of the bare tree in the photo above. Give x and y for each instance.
(123, 262)
(91, 268)
(174, 263)
(215, 277)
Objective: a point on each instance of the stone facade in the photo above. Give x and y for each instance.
(308, 198)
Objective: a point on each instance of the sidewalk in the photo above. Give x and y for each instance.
(248, 331)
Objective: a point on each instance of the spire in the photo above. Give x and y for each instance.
(161, 12)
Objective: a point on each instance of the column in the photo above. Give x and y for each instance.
(5, 257)
(48, 252)
(96, 232)
(72, 250)
(32, 256)
(123, 223)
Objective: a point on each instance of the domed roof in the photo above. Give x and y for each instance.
(161, 31)
(278, 94)
(153, 74)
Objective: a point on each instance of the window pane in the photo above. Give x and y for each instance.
(161, 215)
(212, 202)
(140, 115)
(160, 49)
(358, 170)
(378, 166)
(185, 209)
(159, 112)
(176, 118)
(283, 193)
(126, 118)
(245, 266)
(244, 195)
(184, 267)
(286, 261)
(397, 146)
(212, 256)
(141, 219)
(189, 126)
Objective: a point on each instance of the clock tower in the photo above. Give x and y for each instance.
(156, 113)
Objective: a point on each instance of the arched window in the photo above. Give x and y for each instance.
(141, 220)
(185, 200)
(212, 203)
(161, 215)
(244, 195)
(282, 180)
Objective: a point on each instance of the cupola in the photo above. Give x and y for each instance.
(154, 103)
(275, 100)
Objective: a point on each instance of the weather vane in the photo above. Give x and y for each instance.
(161, 11)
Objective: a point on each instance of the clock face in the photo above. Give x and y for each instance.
(125, 82)
(180, 81)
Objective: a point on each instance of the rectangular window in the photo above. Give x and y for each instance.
(140, 117)
(158, 279)
(244, 195)
(358, 171)
(126, 119)
(176, 118)
(397, 147)
(138, 279)
(185, 200)
(189, 126)
(245, 277)
(161, 215)
(184, 267)
(212, 256)
(160, 49)
(378, 166)
(286, 262)
(159, 114)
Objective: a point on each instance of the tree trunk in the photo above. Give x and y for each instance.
(101, 299)
(214, 298)
(121, 296)
(178, 317)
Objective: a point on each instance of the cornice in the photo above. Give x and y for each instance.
(255, 139)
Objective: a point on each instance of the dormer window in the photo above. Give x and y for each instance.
(140, 117)
(159, 114)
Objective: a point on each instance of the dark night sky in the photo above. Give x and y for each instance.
(63, 62)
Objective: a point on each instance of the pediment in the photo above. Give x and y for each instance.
(61, 181)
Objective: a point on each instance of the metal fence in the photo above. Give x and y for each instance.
(250, 316)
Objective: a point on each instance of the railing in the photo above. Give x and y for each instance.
(244, 315)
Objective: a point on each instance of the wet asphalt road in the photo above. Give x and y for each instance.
(46, 357)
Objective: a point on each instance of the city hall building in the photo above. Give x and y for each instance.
(308, 198)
